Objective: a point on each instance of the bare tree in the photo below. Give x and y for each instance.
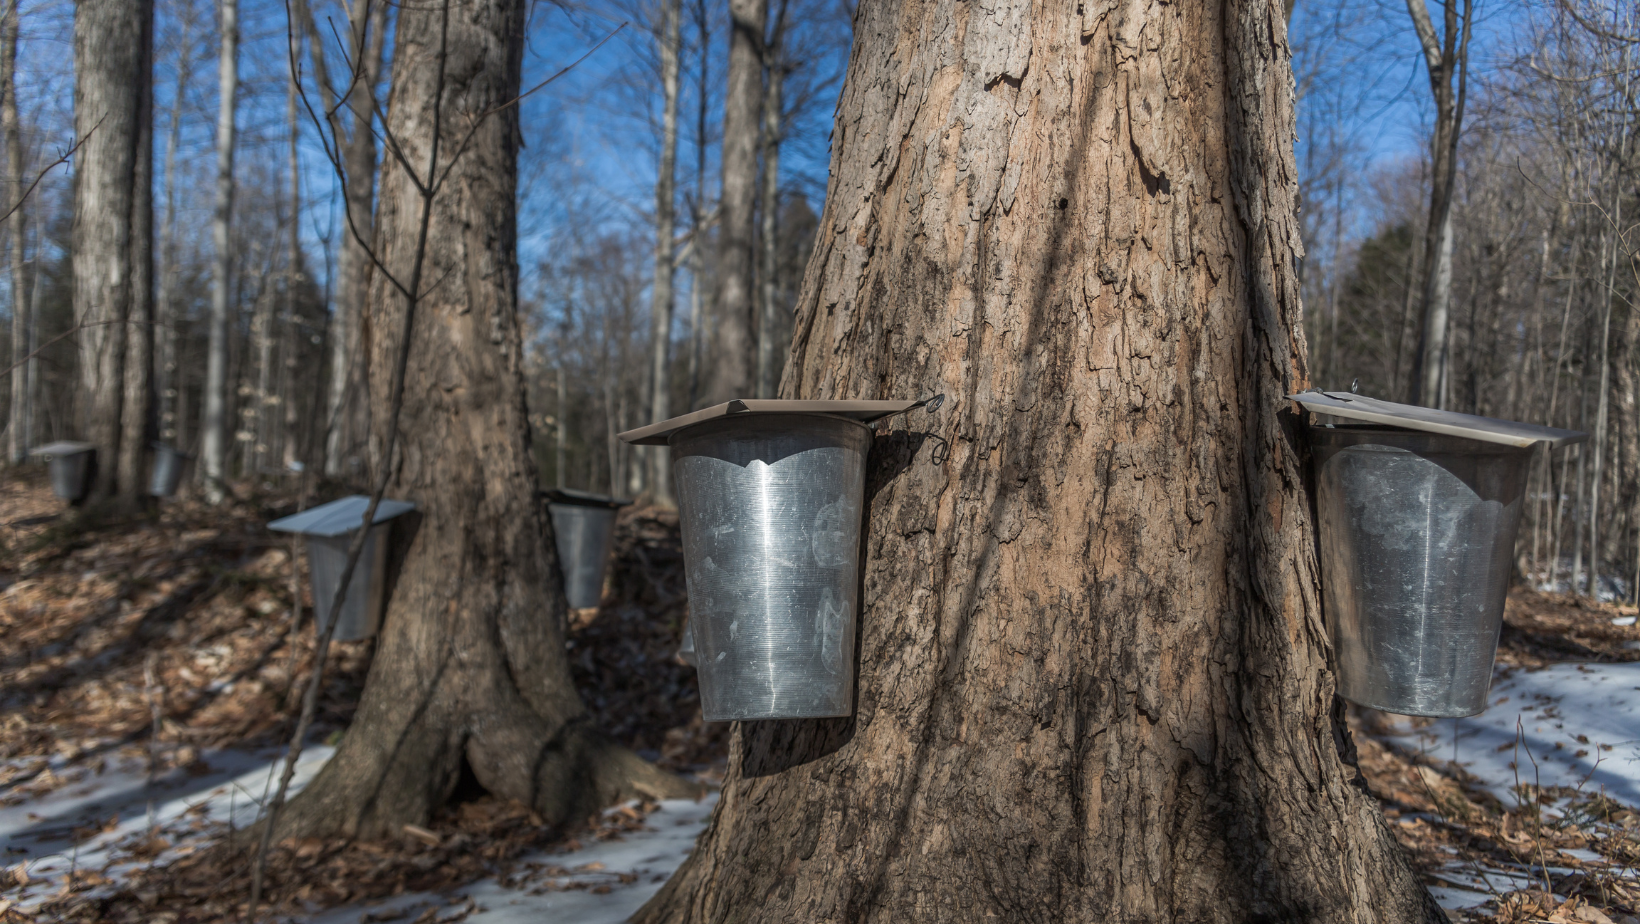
(730, 373)
(16, 429)
(660, 329)
(1446, 55)
(113, 239)
(214, 450)
(470, 668)
(770, 329)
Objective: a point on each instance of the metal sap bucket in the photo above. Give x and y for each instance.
(362, 608)
(71, 465)
(1417, 542)
(771, 508)
(169, 463)
(329, 530)
(1418, 510)
(583, 525)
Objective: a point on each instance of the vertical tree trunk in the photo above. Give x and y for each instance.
(770, 348)
(698, 322)
(1093, 681)
(470, 666)
(1447, 59)
(293, 278)
(660, 327)
(166, 377)
(112, 237)
(729, 374)
(215, 426)
(16, 430)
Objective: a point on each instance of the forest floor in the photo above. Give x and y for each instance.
(148, 672)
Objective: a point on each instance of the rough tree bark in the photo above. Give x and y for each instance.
(470, 665)
(113, 238)
(165, 335)
(16, 429)
(729, 372)
(1093, 670)
(1447, 58)
(214, 427)
(660, 327)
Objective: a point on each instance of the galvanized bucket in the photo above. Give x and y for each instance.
(771, 508)
(1417, 537)
(168, 466)
(362, 607)
(71, 465)
(329, 530)
(584, 527)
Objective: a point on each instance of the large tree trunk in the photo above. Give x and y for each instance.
(660, 327)
(113, 237)
(1093, 681)
(470, 665)
(214, 452)
(16, 429)
(729, 372)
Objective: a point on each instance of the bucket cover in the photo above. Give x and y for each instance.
(579, 498)
(863, 411)
(338, 518)
(61, 448)
(1429, 420)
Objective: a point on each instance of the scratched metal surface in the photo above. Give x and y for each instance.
(1417, 533)
(584, 535)
(771, 509)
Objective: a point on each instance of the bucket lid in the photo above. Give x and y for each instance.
(338, 518)
(862, 411)
(61, 448)
(582, 498)
(1451, 423)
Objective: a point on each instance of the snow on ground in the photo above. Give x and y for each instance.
(138, 823)
(602, 883)
(1569, 725)
(182, 809)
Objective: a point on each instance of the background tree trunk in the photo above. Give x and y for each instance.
(112, 237)
(1447, 59)
(214, 453)
(660, 329)
(1093, 680)
(470, 665)
(167, 317)
(772, 335)
(729, 374)
(16, 430)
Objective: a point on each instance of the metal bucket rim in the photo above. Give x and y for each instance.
(769, 419)
(1455, 444)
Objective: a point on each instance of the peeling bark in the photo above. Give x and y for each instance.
(1093, 677)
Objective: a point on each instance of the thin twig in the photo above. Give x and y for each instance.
(63, 159)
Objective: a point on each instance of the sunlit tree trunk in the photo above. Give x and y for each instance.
(1447, 58)
(214, 451)
(771, 332)
(1093, 680)
(729, 371)
(660, 328)
(470, 666)
(113, 239)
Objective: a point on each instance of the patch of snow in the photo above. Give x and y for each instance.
(649, 856)
(1579, 727)
(184, 808)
